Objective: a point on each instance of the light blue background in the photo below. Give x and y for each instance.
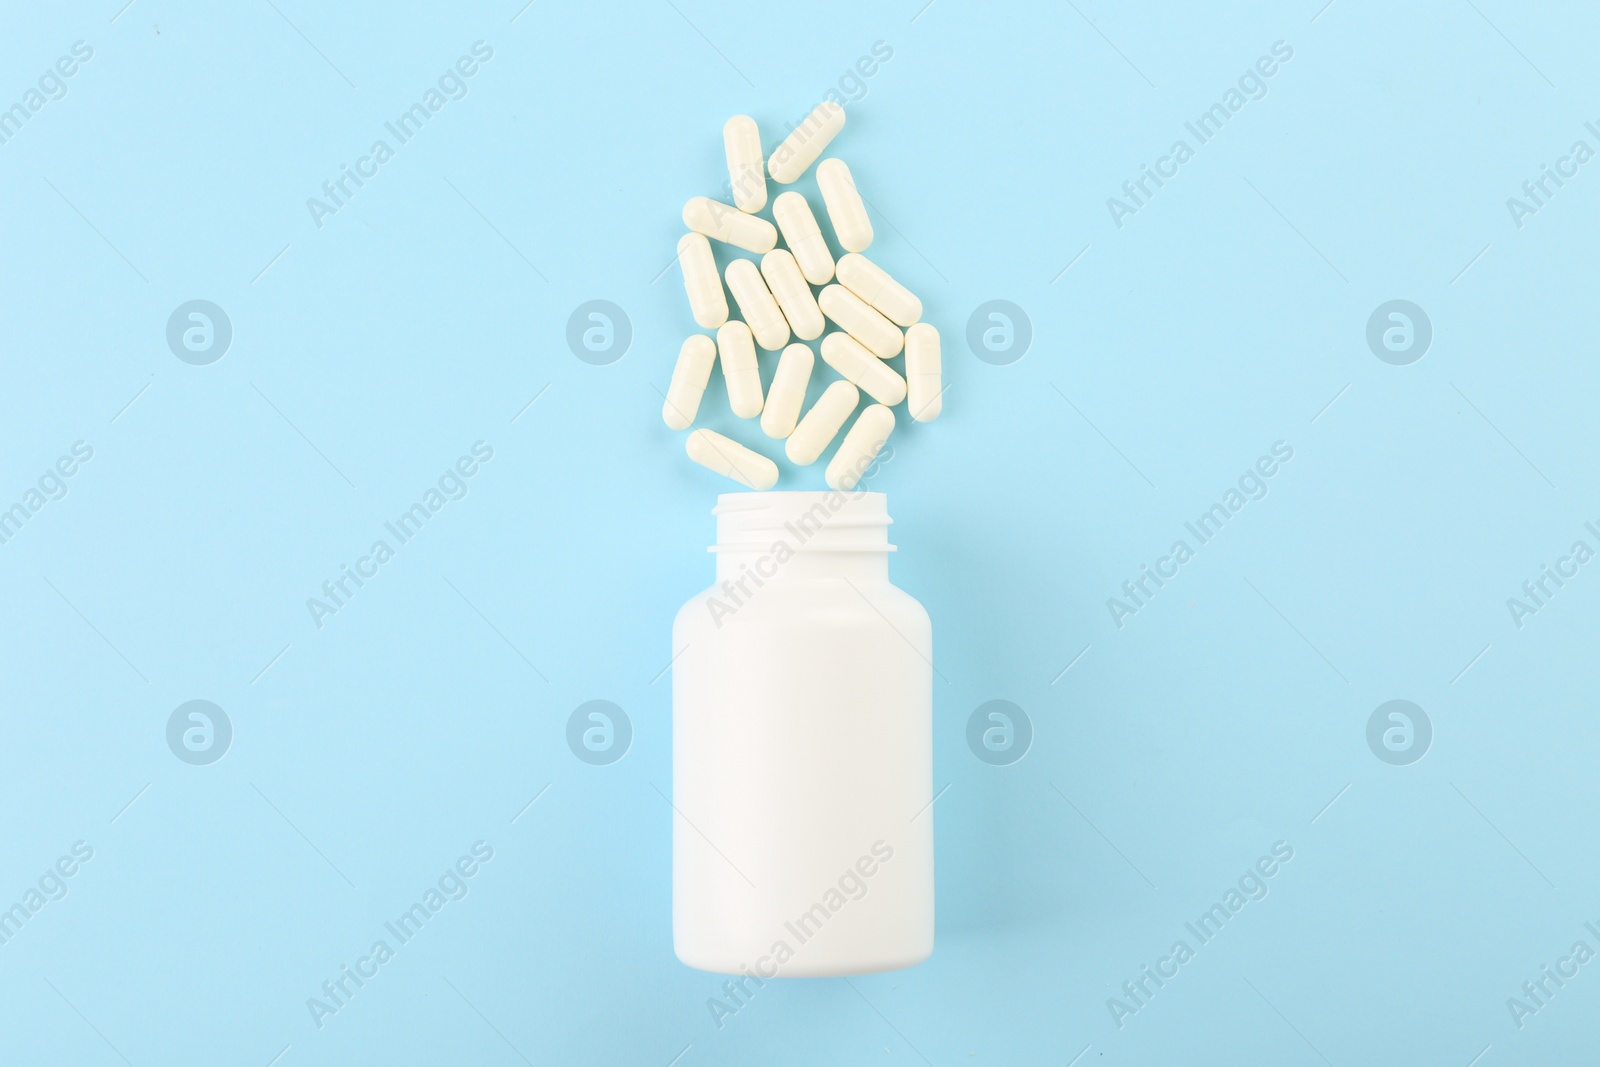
(1227, 314)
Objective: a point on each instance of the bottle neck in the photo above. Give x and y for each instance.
(787, 536)
(766, 565)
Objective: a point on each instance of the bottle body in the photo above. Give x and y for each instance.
(802, 747)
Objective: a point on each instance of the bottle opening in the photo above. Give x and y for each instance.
(825, 521)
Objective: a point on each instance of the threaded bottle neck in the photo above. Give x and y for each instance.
(803, 534)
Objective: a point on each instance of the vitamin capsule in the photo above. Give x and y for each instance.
(859, 448)
(846, 210)
(793, 295)
(689, 379)
(725, 223)
(701, 281)
(806, 142)
(740, 370)
(859, 367)
(923, 388)
(812, 437)
(872, 284)
(741, 141)
(788, 390)
(760, 310)
(730, 459)
(804, 237)
(880, 336)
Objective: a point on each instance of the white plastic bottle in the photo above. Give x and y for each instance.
(802, 700)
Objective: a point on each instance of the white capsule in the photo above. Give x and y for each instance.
(811, 438)
(726, 223)
(872, 283)
(701, 281)
(846, 210)
(804, 237)
(880, 336)
(689, 378)
(788, 390)
(730, 459)
(859, 448)
(741, 141)
(806, 142)
(924, 391)
(741, 372)
(761, 312)
(859, 367)
(793, 295)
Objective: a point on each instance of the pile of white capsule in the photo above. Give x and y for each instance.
(876, 316)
